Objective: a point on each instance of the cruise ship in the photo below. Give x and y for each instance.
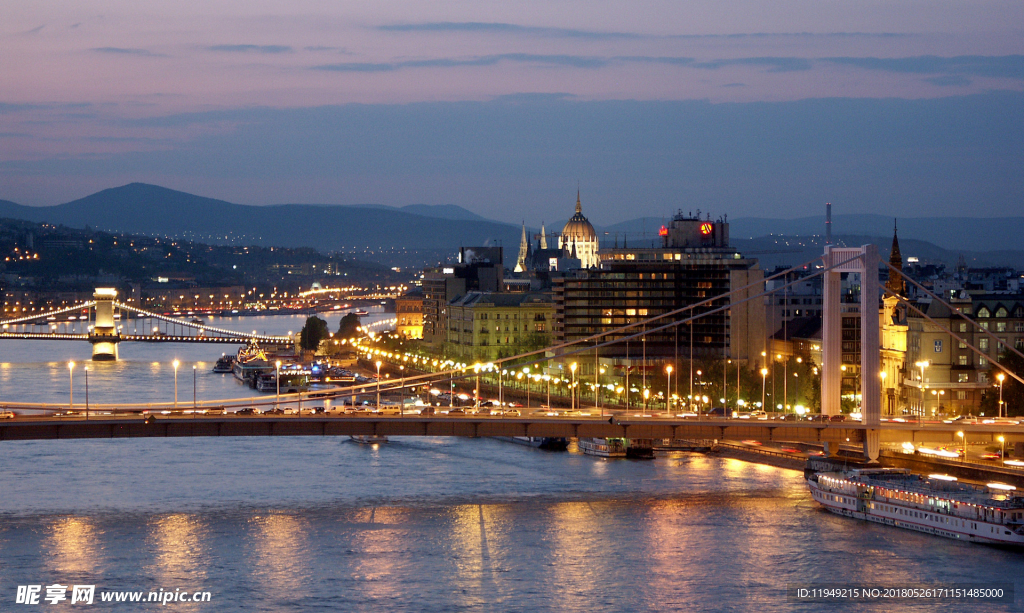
(936, 504)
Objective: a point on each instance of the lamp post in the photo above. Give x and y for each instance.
(86, 392)
(476, 393)
(647, 396)
(922, 365)
(527, 380)
(194, 388)
(71, 386)
(548, 379)
(176, 364)
(1002, 452)
(572, 367)
(668, 389)
(277, 401)
(964, 438)
(378, 363)
(764, 380)
(1001, 378)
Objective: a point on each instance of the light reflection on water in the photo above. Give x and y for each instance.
(438, 524)
(37, 371)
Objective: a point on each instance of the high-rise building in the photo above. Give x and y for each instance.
(694, 263)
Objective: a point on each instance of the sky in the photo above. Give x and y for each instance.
(744, 108)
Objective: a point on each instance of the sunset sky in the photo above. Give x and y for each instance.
(738, 107)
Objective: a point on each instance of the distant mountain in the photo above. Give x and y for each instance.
(443, 211)
(955, 233)
(772, 251)
(149, 209)
(966, 234)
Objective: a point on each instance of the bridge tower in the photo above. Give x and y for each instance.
(863, 260)
(104, 336)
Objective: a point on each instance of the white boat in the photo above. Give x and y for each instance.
(369, 439)
(936, 504)
(603, 447)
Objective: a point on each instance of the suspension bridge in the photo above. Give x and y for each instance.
(105, 322)
(869, 432)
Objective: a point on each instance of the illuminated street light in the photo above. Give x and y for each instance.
(572, 367)
(378, 363)
(176, 364)
(668, 389)
(71, 387)
(922, 365)
(764, 378)
(86, 369)
(1002, 453)
(277, 401)
(1001, 378)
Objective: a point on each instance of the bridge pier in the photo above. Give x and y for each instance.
(104, 336)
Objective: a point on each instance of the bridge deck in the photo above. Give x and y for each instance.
(117, 426)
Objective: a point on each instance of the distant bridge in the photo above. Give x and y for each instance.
(97, 321)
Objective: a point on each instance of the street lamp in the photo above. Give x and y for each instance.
(476, 369)
(647, 395)
(378, 384)
(86, 392)
(764, 379)
(193, 388)
(176, 364)
(668, 389)
(922, 365)
(964, 438)
(71, 387)
(1001, 378)
(572, 367)
(1002, 453)
(277, 401)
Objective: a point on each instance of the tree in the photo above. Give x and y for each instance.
(313, 333)
(349, 327)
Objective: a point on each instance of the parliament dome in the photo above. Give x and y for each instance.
(579, 239)
(578, 227)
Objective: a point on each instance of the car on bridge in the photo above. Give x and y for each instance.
(7, 415)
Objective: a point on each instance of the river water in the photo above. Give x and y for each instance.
(421, 524)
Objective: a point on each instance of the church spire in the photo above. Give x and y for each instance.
(895, 282)
(543, 237)
(579, 209)
(524, 251)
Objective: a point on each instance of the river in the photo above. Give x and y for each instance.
(419, 524)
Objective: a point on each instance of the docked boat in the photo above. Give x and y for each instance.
(251, 362)
(548, 443)
(225, 364)
(603, 447)
(936, 504)
(369, 439)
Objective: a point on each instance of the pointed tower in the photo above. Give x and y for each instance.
(524, 251)
(543, 237)
(895, 282)
(579, 235)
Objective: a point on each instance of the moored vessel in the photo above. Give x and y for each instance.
(369, 439)
(616, 447)
(547, 443)
(225, 364)
(936, 504)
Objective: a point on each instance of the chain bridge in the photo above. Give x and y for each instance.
(105, 322)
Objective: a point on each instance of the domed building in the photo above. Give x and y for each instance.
(578, 238)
